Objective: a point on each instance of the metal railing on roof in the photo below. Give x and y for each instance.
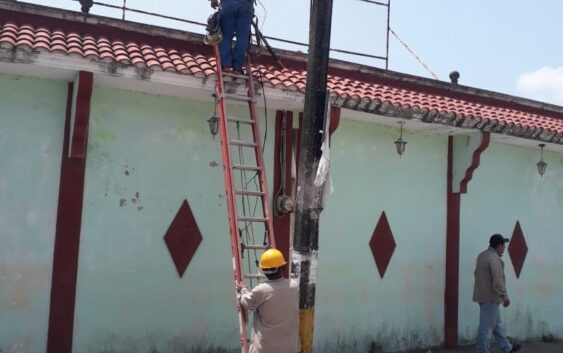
(385, 58)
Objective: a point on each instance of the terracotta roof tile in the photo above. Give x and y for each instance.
(43, 39)
(152, 63)
(91, 53)
(169, 67)
(138, 61)
(25, 39)
(107, 56)
(75, 50)
(7, 43)
(135, 56)
(161, 52)
(8, 29)
(122, 59)
(90, 46)
(58, 35)
(119, 51)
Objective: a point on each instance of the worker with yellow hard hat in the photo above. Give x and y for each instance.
(275, 301)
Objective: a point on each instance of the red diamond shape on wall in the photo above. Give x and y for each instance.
(382, 244)
(183, 238)
(517, 249)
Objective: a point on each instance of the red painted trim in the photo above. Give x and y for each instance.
(451, 296)
(67, 242)
(298, 144)
(475, 162)
(81, 112)
(282, 222)
(334, 119)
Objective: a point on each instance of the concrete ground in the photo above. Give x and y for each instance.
(533, 347)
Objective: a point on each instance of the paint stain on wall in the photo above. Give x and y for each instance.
(135, 200)
(21, 282)
(20, 293)
(386, 340)
(24, 344)
(151, 343)
(104, 135)
(128, 171)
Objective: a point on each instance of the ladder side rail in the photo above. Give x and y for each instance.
(268, 214)
(229, 188)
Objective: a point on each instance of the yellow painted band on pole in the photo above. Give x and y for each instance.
(306, 324)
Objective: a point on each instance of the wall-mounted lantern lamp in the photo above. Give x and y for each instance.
(400, 143)
(541, 164)
(213, 125)
(213, 121)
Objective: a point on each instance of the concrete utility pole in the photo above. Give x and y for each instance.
(308, 205)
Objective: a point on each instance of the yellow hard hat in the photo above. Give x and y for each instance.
(272, 258)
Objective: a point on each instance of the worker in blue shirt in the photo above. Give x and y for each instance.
(236, 19)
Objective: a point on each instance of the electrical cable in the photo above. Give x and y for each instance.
(125, 9)
(265, 14)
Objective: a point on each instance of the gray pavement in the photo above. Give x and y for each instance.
(532, 347)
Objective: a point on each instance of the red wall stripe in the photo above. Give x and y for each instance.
(334, 119)
(282, 222)
(451, 297)
(67, 241)
(81, 113)
(476, 160)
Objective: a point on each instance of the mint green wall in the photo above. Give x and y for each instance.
(507, 188)
(355, 307)
(32, 118)
(146, 154)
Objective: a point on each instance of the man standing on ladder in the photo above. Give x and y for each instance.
(235, 21)
(275, 302)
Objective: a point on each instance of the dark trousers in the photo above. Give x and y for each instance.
(236, 18)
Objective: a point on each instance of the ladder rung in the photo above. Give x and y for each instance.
(238, 97)
(246, 167)
(229, 74)
(255, 247)
(238, 120)
(249, 192)
(252, 275)
(243, 143)
(252, 219)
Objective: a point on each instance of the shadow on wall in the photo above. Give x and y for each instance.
(153, 343)
(522, 326)
(191, 349)
(210, 349)
(371, 345)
